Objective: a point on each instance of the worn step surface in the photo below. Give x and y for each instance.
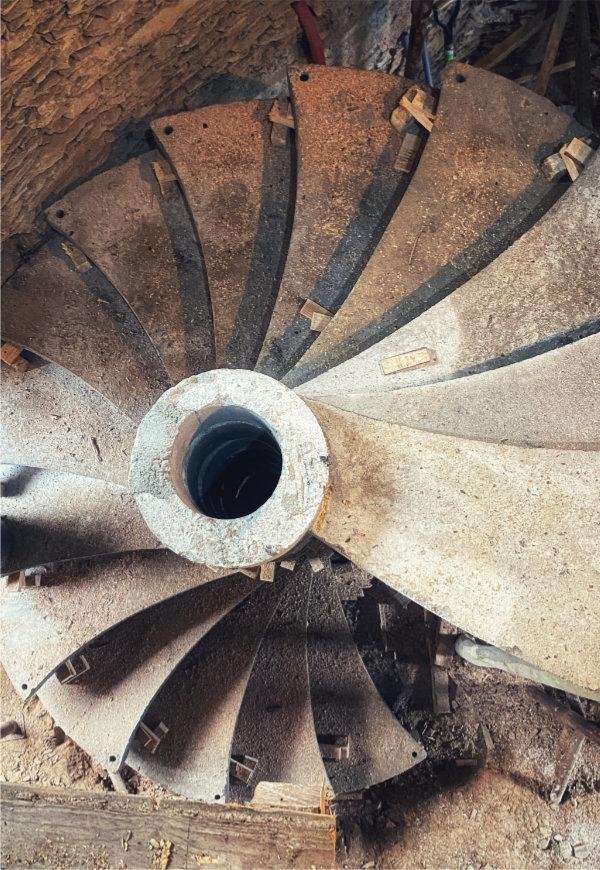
(57, 517)
(550, 400)
(477, 186)
(539, 294)
(80, 603)
(201, 702)
(53, 420)
(141, 237)
(346, 186)
(129, 664)
(78, 320)
(495, 539)
(237, 186)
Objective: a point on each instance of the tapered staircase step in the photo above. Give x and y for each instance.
(276, 723)
(53, 420)
(140, 235)
(78, 320)
(347, 185)
(80, 603)
(477, 186)
(550, 400)
(57, 517)
(539, 294)
(346, 705)
(500, 541)
(201, 703)
(237, 186)
(102, 710)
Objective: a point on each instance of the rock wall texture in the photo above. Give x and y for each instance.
(82, 78)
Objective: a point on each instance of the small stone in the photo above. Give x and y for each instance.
(558, 838)
(565, 850)
(369, 865)
(473, 813)
(545, 831)
(581, 850)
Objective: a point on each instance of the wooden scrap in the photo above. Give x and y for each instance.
(513, 41)
(267, 572)
(11, 355)
(311, 308)
(554, 167)
(575, 155)
(305, 798)
(252, 573)
(440, 690)
(567, 717)
(77, 257)
(567, 751)
(165, 177)
(316, 564)
(277, 116)
(420, 105)
(411, 145)
(554, 40)
(404, 362)
(319, 321)
(288, 564)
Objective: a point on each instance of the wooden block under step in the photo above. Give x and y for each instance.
(411, 359)
(408, 152)
(267, 572)
(554, 167)
(575, 155)
(165, 177)
(11, 355)
(277, 116)
(79, 260)
(319, 321)
(310, 308)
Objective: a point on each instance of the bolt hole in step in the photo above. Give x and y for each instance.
(60, 213)
(304, 77)
(168, 130)
(460, 78)
(233, 464)
(24, 686)
(112, 758)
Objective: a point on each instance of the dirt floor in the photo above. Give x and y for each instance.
(464, 807)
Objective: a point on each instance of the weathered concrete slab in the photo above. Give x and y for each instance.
(78, 320)
(346, 187)
(550, 400)
(53, 420)
(477, 186)
(237, 186)
(201, 703)
(539, 294)
(144, 242)
(58, 517)
(500, 541)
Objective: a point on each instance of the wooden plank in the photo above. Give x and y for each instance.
(512, 42)
(69, 828)
(554, 40)
(583, 71)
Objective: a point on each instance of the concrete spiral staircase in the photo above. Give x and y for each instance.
(435, 419)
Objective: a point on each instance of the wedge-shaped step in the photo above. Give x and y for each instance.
(53, 420)
(346, 705)
(128, 666)
(237, 185)
(477, 186)
(78, 320)
(347, 185)
(540, 293)
(56, 517)
(276, 723)
(501, 541)
(201, 703)
(44, 626)
(550, 400)
(135, 227)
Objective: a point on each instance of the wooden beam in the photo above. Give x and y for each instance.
(513, 41)
(554, 40)
(583, 67)
(68, 828)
